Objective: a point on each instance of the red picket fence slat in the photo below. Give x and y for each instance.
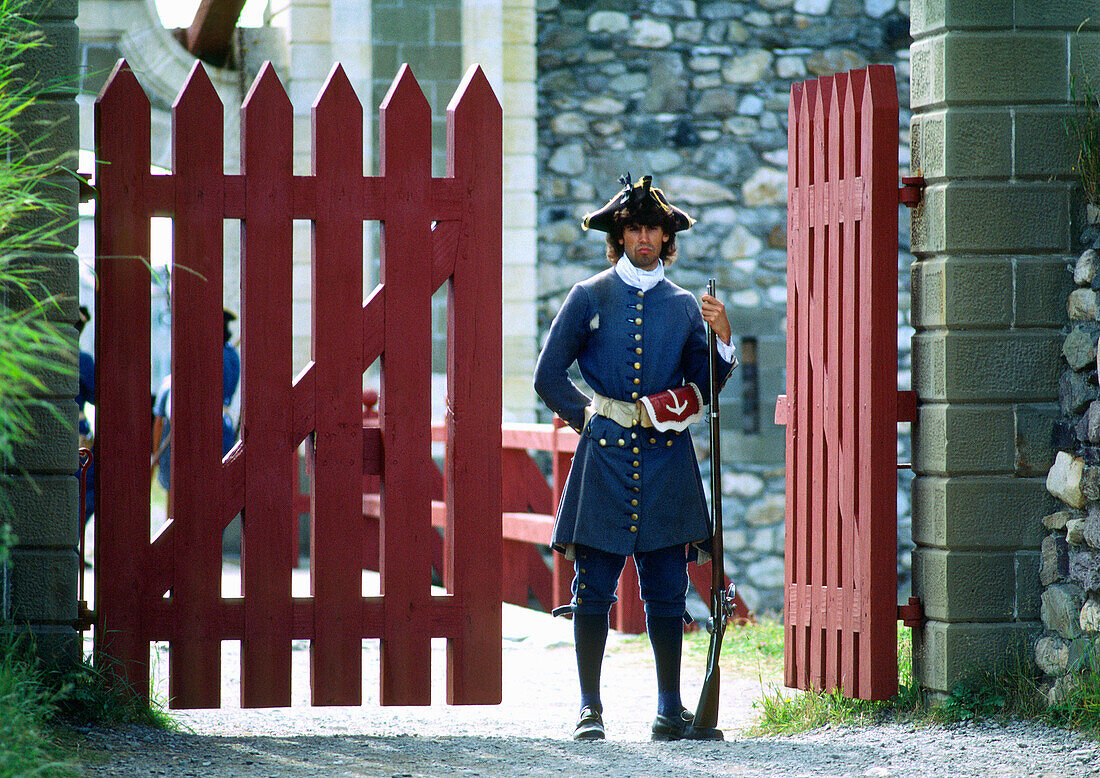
(169, 587)
(841, 404)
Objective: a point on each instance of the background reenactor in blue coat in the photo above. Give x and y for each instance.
(634, 486)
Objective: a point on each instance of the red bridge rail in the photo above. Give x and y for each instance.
(435, 231)
(529, 504)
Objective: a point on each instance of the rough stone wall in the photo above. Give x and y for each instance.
(1069, 567)
(41, 488)
(696, 93)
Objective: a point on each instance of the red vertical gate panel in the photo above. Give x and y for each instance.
(878, 395)
(852, 357)
(833, 335)
(122, 349)
(405, 152)
(472, 562)
(797, 623)
(196, 415)
(267, 424)
(818, 264)
(325, 399)
(336, 539)
(841, 409)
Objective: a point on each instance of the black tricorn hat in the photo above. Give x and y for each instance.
(637, 199)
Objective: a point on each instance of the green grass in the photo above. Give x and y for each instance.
(27, 706)
(40, 709)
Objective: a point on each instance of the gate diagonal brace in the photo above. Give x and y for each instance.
(911, 190)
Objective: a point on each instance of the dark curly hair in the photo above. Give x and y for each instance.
(649, 215)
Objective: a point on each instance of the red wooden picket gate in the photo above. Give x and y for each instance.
(842, 403)
(435, 231)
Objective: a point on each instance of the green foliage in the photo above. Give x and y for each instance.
(1080, 709)
(1083, 129)
(787, 712)
(27, 703)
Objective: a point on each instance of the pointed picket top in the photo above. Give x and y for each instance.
(122, 85)
(196, 89)
(405, 94)
(337, 91)
(474, 89)
(881, 89)
(853, 106)
(266, 89)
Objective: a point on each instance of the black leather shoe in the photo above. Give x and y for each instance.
(681, 728)
(589, 725)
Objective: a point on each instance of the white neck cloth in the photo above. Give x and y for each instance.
(638, 278)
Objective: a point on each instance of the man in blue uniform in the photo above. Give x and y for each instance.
(634, 486)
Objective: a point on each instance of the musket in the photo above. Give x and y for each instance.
(721, 599)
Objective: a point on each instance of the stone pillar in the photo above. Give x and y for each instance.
(501, 38)
(43, 493)
(991, 83)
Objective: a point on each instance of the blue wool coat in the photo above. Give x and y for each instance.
(629, 489)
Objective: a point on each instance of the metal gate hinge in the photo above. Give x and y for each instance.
(85, 618)
(911, 615)
(911, 190)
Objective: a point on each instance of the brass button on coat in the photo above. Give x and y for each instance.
(635, 476)
(638, 321)
(637, 365)
(633, 528)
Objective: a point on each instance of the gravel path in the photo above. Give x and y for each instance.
(529, 734)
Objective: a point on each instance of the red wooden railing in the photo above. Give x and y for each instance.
(841, 407)
(529, 504)
(436, 231)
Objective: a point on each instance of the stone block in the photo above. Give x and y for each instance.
(1084, 568)
(1053, 559)
(1076, 391)
(945, 654)
(1028, 589)
(51, 448)
(1065, 15)
(397, 25)
(1084, 269)
(55, 63)
(958, 217)
(1082, 305)
(1079, 348)
(961, 439)
(44, 584)
(1090, 527)
(56, 276)
(1058, 519)
(1075, 533)
(979, 512)
(963, 67)
(962, 366)
(1052, 654)
(1034, 428)
(1061, 609)
(963, 142)
(1090, 482)
(965, 585)
(1064, 479)
(53, 9)
(1088, 429)
(961, 292)
(1090, 614)
(44, 509)
(1040, 147)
